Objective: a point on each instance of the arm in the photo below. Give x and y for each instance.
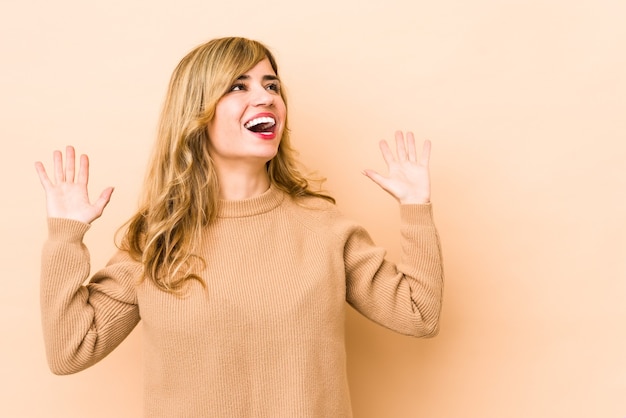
(404, 297)
(81, 324)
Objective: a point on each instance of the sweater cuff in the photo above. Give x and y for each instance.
(417, 214)
(69, 230)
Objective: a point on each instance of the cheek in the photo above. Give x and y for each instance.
(281, 103)
(223, 122)
(281, 109)
(228, 111)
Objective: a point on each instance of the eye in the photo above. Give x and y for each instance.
(237, 87)
(275, 87)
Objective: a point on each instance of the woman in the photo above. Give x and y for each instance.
(238, 270)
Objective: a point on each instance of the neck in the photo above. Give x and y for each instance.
(239, 184)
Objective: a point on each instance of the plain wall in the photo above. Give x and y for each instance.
(524, 102)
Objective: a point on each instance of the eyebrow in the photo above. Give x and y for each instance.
(267, 77)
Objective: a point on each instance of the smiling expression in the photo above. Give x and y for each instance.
(249, 119)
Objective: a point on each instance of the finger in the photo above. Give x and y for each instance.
(59, 173)
(386, 152)
(103, 200)
(375, 177)
(400, 146)
(83, 170)
(70, 163)
(43, 176)
(411, 147)
(379, 179)
(425, 160)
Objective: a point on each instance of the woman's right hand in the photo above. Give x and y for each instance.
(67, 197)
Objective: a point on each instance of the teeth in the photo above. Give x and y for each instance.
(256, 121)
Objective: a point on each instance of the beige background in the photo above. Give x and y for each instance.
(524, 102)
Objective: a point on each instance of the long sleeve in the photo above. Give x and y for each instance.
(83, 323)
(405, 297)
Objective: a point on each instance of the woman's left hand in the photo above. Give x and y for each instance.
(408, 179)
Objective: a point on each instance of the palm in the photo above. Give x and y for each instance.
(408, 178)
(67, 197)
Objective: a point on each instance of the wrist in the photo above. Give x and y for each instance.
(411, 202)
(415, 200)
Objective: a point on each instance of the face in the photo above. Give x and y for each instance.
(249, 119)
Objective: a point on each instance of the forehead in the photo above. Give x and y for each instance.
(262, 68)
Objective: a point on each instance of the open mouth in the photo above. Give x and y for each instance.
(264, 124)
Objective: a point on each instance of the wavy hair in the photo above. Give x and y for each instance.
(180, 193)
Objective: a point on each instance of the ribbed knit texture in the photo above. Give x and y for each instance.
(266, 337)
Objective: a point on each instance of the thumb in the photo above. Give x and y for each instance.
(376, 178)
(382, 181)
(104, 199)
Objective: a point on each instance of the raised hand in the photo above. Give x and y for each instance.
(408, 178)
(67, 197)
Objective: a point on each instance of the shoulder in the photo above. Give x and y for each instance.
(319, 215)
(312, 207)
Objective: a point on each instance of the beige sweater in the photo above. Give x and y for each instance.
(266, 337)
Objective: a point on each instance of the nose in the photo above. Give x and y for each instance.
(262, 97)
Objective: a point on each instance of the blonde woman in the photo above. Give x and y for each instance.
(238, 270)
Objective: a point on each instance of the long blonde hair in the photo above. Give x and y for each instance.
(180, 193)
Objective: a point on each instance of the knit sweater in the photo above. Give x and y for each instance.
(265, 338)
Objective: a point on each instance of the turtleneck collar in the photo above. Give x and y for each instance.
(262, 203)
